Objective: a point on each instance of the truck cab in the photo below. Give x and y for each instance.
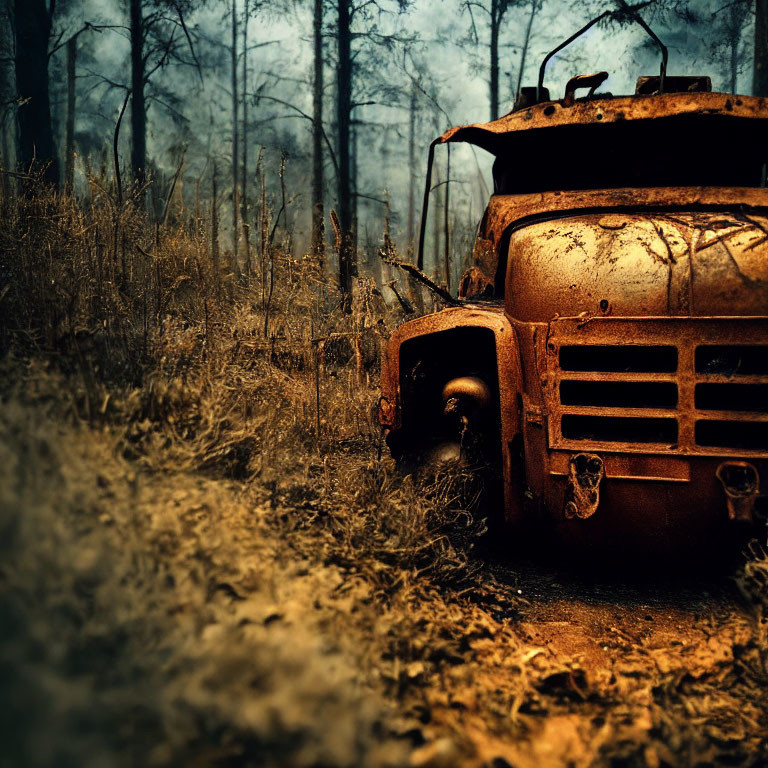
(609, 349)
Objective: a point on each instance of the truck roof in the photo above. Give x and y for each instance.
(552, 119)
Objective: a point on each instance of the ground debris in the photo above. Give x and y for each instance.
(216, 566)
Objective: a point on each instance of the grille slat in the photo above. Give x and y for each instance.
(619, 358)
(619, 394)
(636, 393)
(639, 413)
(706, 379)
(618, 381)
(735, 398)
(619, 429)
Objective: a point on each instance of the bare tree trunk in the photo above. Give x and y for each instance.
(436, 225)
(739, 12)
(343, 115)
(138, 103)
(412, 167)
(318, 210)
(494, 59)
(215, 230)
(244, 212)
(69, 161)
(760, 73)
(524, 51)
(36, 146)
(734, 45)
(5, 185)
(7, 98)
(388, 246)
(235, 137)
(195, 227)
(264, 232)
(353, 244)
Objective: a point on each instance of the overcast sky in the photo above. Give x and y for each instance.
(456, 73)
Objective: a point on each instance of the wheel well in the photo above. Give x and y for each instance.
(427, 363)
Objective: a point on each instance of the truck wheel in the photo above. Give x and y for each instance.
(457, 458)
(457, 475)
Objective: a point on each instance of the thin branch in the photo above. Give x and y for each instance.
(368, 197)
(180, 115)
(118, 180)
(106, 81)
(311, 119)
(447, 181)
(58, 39)
(189, 41)
(163, 60)
(86, 27)
(172, 189)
(414, 271)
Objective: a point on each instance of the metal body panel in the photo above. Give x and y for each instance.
(660, 495)
(599, 112)
(618, 109)
(506, 214)
(505, 211)
(624, 264)
(632, 345)
(686, 336)
(490, 317)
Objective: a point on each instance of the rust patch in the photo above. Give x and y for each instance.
(582, 496)
(608, 110)
(741, 483)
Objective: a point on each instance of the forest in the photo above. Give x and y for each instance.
(207, 556)
(202, 108)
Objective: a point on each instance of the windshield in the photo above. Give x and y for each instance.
(664, 152)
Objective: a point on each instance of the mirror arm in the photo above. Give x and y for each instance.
(425, 204)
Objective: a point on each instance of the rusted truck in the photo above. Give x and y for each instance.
(607, 357)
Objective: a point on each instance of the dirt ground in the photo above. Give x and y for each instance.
(207, 559)
(174, 618)
(648, 673)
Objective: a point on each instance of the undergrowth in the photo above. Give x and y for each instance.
(137, 623)
(206, 560)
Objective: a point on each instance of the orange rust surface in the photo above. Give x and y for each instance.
(651, 266)
(683, 264)
(490, 316)
(505, 211)
(685, 335)
(610, 110)
(508, 366)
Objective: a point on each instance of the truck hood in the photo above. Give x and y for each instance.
(633, 264)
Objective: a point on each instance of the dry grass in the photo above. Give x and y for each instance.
(156, 612)
(147, 622)
(205, 561)
(752, 581)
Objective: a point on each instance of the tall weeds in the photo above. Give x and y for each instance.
(204, 559)
(153, 334)
(118, 327)
(196, 368)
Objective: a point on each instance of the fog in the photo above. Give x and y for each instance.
(440, 48)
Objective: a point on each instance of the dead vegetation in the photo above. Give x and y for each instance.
(207, 561)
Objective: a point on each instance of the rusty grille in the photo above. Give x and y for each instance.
(615, 384)
(732, 385)
(607, 408)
